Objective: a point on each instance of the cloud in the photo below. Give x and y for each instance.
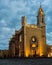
(49, 38)
(11, 12)
(3, 23)
(6, 29)
(49, 42)
(48, 4)
(5, 36)
(49, 34)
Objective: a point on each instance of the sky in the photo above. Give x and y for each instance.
(11, 12)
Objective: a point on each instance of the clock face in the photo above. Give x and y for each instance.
(33, 39)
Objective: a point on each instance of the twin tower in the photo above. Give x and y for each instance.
(30, 40)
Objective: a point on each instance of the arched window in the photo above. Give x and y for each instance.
(20, 38)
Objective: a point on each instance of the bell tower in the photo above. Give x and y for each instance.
(41, 21)
(41, 24)
(40, 17)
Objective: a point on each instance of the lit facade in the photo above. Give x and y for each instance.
(30, 40)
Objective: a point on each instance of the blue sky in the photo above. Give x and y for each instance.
(11, 12)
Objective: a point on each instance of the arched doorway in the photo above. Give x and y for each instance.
(33, 46)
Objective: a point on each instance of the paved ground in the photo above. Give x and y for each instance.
(34, 61)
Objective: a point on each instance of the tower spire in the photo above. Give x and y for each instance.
(40, 11)
(40, 4)
(40, 16)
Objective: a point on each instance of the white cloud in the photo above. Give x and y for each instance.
(3, 22)
(15, 9)
(6, 33)
(49, 42)
(49, 34)
(7, 29)
(48, 4)
(18, 6)
(48, 19)
(49, 38)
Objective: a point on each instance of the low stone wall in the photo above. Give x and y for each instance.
(4, 53)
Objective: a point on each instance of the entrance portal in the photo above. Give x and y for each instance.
(33, 46)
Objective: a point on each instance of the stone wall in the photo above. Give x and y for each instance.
(4, 53)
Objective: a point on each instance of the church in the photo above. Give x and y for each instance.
(30, 40)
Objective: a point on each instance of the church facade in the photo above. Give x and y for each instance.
(30, 40)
